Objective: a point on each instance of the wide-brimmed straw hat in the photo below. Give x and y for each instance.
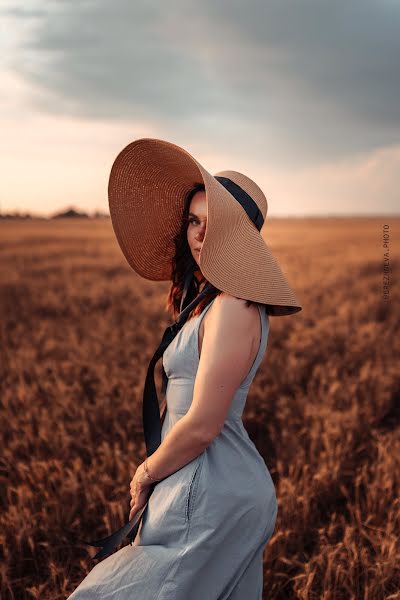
(147, 187)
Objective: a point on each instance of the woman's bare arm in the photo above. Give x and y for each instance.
(224, 363)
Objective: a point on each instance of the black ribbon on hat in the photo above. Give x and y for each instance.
(152, 420)
(244, 199)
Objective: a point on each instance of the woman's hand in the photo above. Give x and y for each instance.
(140, 488)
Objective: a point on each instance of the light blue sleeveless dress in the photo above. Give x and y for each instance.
(205, 528)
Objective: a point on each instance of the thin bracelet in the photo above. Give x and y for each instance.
(146, 470)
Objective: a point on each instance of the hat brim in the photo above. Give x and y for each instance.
(148, 184)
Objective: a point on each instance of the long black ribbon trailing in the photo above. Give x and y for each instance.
(152, 421)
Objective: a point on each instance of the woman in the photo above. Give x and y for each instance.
(206, 498)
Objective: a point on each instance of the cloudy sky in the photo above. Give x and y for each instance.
(300, 95)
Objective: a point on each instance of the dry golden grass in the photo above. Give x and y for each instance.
(78, 328)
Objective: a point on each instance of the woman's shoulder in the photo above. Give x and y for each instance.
(235, 304)
(234, 312)
(231, 324)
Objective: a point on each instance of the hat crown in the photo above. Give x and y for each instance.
(249, 186)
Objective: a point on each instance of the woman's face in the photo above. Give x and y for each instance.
(197, 223)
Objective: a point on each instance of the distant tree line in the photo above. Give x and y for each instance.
(69, 213)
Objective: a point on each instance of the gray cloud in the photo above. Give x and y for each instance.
(306, 80)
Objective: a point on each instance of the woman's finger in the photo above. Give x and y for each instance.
(139, 496)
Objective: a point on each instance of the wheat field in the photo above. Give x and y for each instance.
(78, 328)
